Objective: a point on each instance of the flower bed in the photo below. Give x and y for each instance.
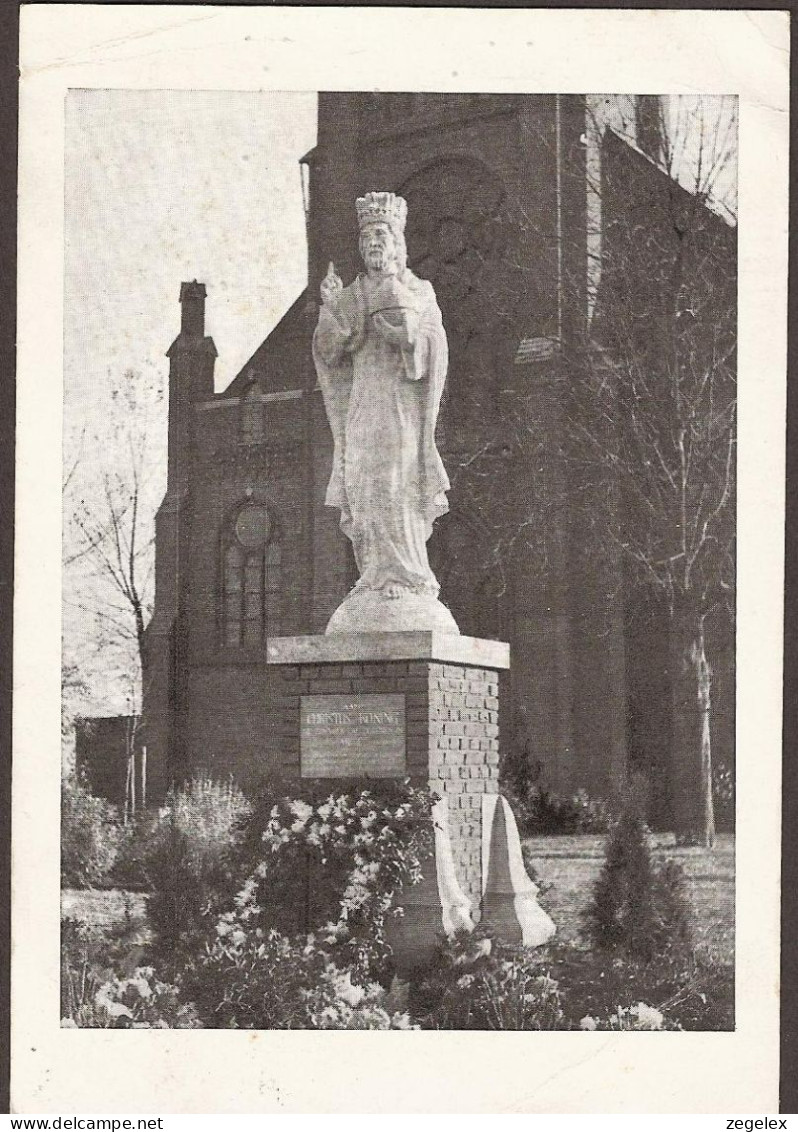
(275, 918)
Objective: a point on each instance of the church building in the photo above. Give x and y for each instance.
(503, 220)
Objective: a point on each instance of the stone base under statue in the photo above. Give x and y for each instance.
(421, 706)
(367, 611)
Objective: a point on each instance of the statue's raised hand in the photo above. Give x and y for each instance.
(331, 286)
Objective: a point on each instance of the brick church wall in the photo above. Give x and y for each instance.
(571, 652)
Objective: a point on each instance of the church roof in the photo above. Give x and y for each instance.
(274, 363)
(622, 150)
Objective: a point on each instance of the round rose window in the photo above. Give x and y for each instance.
(253, 525)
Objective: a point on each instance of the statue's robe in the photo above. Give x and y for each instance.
(382, 403)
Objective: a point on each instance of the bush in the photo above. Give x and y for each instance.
(334, 867)
(304, 940)
(476, 983)
(104, 987)
(84, 964)
(548, 813)
(690, 991)
(136, 850)
(90, 836)
(331, 867)
(94, 996)
(256, 980)
(637, 908)
(140, 1002)
(193, 863)
(538, 810)
(519, 769)
(541, 812)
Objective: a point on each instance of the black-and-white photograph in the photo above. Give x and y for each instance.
(399, 570)
(399, 518)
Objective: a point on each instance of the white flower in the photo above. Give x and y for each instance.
(647, 1016)
(139, 981)
(238, 937)
(223, 928)
(301, 811)
(346, 990)
(247, 892)
(483, 948)
(465, 981)
(588, 1023)
(116, 1009)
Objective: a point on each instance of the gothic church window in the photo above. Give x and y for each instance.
(252, 424)
(250, 578)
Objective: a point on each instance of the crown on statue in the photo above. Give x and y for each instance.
(381, 208)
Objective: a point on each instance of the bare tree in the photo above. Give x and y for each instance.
(653, 418)
(640, 432)
(111, 489)
(652, 414)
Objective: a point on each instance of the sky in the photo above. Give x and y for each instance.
(161, 187)
(167, 186)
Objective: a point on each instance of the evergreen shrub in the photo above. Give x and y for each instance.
(637, 907)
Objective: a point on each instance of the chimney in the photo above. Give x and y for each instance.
(191, 364)
(192, 300)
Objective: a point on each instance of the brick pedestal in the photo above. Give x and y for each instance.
(423, 706)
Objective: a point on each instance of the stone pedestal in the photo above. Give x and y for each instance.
(423, 706)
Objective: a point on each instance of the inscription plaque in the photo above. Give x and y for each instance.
(354, 736)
